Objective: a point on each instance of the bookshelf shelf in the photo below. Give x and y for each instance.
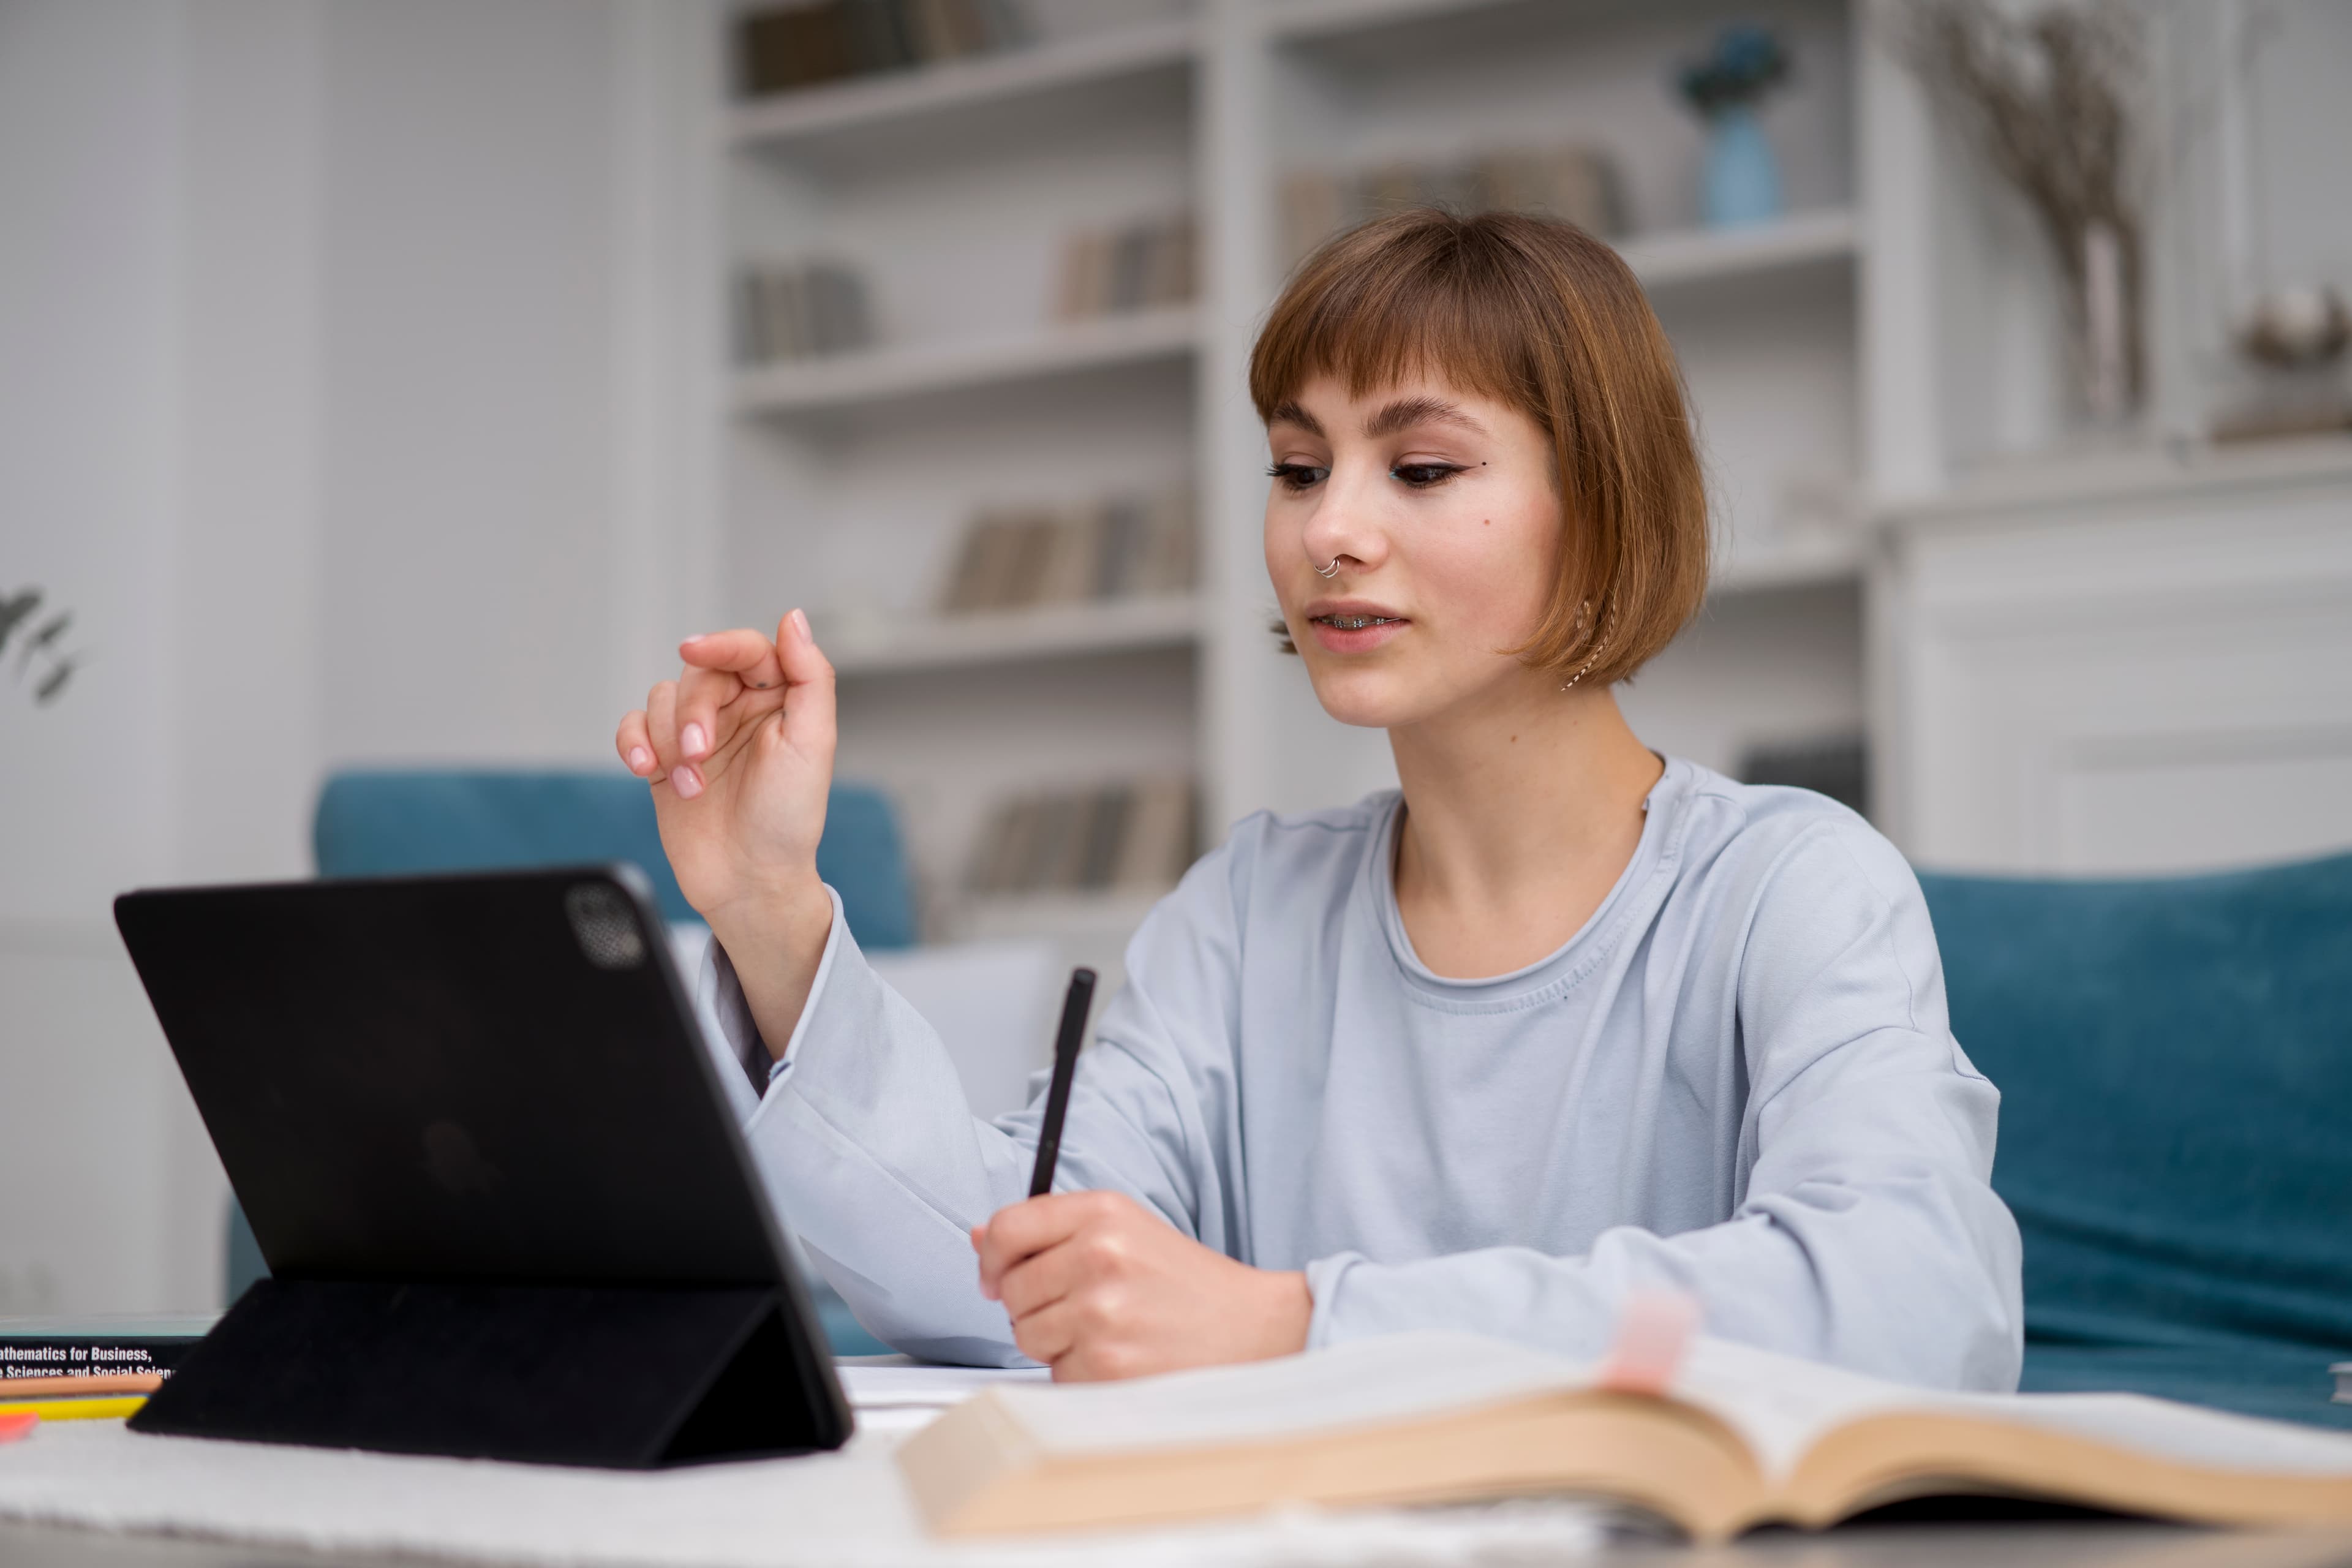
(890, 374)
(1310, 20)
(1033, 72)
(1010, 637)
(1697, 256)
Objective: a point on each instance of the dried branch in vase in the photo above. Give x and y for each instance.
(2047, 94)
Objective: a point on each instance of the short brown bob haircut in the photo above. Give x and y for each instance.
(1540, 316)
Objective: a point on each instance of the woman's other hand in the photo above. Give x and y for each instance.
(738, 751)
(1099, 1287)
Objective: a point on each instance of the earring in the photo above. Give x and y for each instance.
(1330, 571)
(1583, 610)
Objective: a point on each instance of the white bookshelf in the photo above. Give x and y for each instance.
(915, 645)
(1685, 258)
(980, 365)
(942, 91)
(1296, 20)
(849, 479)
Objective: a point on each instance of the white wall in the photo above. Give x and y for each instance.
(467, 280)
(332, 360)
(97, 508)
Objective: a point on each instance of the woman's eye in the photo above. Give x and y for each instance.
(1421, 476)
(1297, 475)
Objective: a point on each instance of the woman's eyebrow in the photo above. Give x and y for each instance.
(1292, 414)
(1407, 412)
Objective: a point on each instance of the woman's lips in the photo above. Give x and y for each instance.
(1345, 631)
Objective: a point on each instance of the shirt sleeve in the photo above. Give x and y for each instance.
(1865, 1233)
(875, 1161)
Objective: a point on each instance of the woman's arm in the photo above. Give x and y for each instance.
(860, 1128)
(866, 1141)
(738, 753)
(1866, 1232)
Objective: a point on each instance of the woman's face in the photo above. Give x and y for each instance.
(1439, 508)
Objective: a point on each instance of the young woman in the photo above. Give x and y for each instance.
(1559, 1022)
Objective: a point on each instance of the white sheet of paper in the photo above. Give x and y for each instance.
(901, 1383)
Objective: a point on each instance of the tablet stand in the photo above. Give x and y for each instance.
(625, 1376)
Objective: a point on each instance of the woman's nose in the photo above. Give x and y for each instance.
(1344, 520)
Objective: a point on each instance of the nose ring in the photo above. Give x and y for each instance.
(1330, 571)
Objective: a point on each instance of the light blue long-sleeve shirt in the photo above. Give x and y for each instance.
(1737, 1080)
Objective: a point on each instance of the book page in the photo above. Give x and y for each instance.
(906, 1384)
(1782, 1406)
(1365, 1382)
(2160, 1429)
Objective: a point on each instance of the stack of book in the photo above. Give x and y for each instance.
(1137, 836)
(1131, 268)
(1129, 546)
(780, 47)
(791, 309)
(91, 1368)
(1576, 183)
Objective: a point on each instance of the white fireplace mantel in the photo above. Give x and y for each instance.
(2132, 663)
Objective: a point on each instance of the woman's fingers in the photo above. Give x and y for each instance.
(702, 694)
(747, 655)
(636, 749)
(661, 726)
(808, 681)
(1049, 1334)
(1020, 1231)
(1040, 1280)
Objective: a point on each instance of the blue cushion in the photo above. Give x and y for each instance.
(2175, 1062)
(386, 822)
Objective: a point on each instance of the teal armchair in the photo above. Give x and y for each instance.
(2174, 1061)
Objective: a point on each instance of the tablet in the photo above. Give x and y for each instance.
(491, 1082)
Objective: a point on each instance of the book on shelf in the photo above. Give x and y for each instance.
(1122, 547)
(1135, 266)
(793, 310)
(783, 49)
(82, 1347)
(1133, 836)
(1577, 183)
(1738, 1438)
(1835, 765)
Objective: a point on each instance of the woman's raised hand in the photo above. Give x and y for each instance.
(738, 751)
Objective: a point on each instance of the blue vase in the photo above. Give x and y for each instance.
(1743, 178)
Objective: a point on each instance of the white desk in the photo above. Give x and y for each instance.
(2066, 1545)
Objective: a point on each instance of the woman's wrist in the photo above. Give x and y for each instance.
(788, 914)
(776, 941)
(1289, 1312)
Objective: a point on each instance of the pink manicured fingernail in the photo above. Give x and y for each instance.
(686, 781)
(639, 758)
(694, 741)
(800, 622)
(695, 638)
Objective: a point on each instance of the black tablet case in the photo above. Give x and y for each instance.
(505, 1205)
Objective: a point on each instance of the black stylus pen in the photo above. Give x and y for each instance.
(1072, 1035)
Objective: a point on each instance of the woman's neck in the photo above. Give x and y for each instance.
(1519, 815)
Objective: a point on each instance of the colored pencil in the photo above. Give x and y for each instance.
(93, 1382)
(100, 1409)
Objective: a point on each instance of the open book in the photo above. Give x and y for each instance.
(1741, 1438)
